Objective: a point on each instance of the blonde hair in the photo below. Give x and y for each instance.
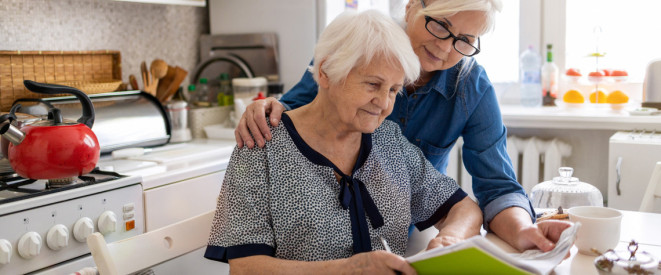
(447, 8)
(353, 39)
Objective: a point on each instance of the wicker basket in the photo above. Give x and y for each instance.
(93, 86)
(90, 71)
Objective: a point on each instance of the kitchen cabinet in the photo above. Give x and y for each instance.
(197, 3)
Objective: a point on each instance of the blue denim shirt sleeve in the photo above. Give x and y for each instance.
(302, 93)
(486, 159)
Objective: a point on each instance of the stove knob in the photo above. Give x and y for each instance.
(83, 228)
(5, 251)
(57, 237)
(29, 245)
(107, 222)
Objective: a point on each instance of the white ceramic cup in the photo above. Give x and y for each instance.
(600, 228)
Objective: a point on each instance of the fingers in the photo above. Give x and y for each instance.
(399, 264)
(552, 229)
(259, 123)
(435, 242)
(534, 235)
(253, 121)
(242, 134)
(276, 112)
(443, 241)
(237, 137)
(249, 115)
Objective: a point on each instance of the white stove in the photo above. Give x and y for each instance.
(43, 226)
(45, 234)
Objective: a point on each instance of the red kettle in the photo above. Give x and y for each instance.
(52, 148)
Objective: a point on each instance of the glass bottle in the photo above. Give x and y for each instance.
(550, 78)
(202, 93)
(530, 82)
(191, 96)
(224, 96)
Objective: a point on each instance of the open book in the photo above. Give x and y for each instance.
(478, 255)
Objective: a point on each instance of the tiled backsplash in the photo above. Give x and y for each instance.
(141, 32)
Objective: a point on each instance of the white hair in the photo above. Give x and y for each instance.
(353, 39)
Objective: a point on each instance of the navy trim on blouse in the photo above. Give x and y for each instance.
(224, 254)
(442, 210)
(353, 193)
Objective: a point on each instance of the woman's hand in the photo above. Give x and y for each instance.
(377, 262)
(543, 235)
(253, 121)
(442, 240)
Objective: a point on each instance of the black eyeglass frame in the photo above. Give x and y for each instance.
(450, 34)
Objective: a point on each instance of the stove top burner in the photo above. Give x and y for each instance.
(55, 183)
(14, 188)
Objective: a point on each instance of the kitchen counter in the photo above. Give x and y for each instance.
(581, 119)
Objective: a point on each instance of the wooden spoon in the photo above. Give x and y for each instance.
(179, 76)
(158, 70)
(164, 83)
(133, 82)
(145, 75)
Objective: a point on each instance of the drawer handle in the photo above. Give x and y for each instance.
(618, 173)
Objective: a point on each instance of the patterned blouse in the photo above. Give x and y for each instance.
(284, 200)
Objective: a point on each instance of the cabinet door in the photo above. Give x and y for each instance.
(181, 200)
(637, 163)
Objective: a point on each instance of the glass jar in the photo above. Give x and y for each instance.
(565, 191)
(244, 90)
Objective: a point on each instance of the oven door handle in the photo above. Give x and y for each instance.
(618, 174)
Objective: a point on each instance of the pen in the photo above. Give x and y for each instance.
(385, 245)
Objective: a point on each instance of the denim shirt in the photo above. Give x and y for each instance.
(435, 115)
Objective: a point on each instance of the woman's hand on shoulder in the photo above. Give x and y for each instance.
(377, 262)
(253, 121)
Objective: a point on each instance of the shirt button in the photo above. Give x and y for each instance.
(415, 96)
(402, 120)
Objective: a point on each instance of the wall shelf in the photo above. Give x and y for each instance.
(197, 3)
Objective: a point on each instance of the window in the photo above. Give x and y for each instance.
(500, 48)
(628, 37)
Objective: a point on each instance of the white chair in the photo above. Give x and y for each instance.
(151, 248)
(653, 190)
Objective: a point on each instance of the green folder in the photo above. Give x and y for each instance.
(478, 255)
(471, 260)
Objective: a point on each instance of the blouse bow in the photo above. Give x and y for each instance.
(355, 197)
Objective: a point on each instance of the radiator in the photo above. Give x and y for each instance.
(534, 160)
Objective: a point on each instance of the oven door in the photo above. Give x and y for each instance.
(69, 267)
(631, 161)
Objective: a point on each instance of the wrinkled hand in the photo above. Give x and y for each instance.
(542, 235)
(253, 121)
(443, 241)
(378, 262)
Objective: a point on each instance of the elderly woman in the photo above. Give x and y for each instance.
(336, 178)
(452, 98)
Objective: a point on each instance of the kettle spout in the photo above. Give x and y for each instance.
(11, 132)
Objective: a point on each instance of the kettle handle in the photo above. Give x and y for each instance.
(88, 109)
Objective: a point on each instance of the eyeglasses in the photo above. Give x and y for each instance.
(461, 44)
